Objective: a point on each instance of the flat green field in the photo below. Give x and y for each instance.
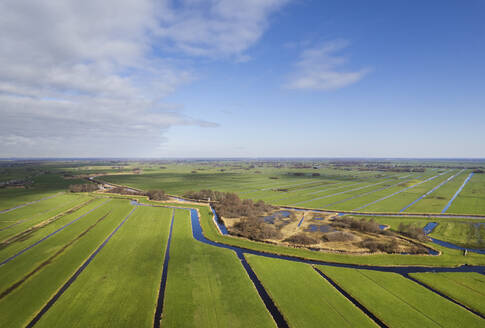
(28, 261)
(119, 288)
(44, 185)
(208, 286)
(304, 297)
(472, 198)
(19, 306)
(23, 239)
(331, 188)
(466, 288)
(44, 243)
(400, 302)
(406, 197)
(23, 218)
(437, 200)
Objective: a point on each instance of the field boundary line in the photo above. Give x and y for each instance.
(461, 284)
(50, 259)
(447, 206)
(400, 298)
(163, 281)
(366, 193)
(330, 187)
(341, 192)
(449, 298)
(73, 278)
(13, 238)
(400, 191)
(264, 295)
(352, 299)
(17, 222)
(441, 184)
(49, 235)
(29, 203)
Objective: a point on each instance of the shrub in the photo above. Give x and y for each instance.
(412, 231)
(338, 236)
(301, 239)
(315, 174)
(157, 194)
(374, 245)
(256, 229)
(229, 205)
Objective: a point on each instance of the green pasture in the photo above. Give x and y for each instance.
(24, 302)
(26, 217)
(465, 288)
(304, 297)
(399, 201)
(44, 185)
(400, 302)
(208, 286)
(119, 288)
(29, 237)
(471, 200)
(27, 262)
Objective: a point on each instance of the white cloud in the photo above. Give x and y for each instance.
(215, 28)
(317, 69)
(82, 78)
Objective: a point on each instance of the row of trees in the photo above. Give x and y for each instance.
(229, 205)
(157, 194)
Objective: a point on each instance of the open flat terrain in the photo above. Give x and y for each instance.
(102, 259)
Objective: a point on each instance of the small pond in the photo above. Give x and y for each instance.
(318, 227)
(279, 214)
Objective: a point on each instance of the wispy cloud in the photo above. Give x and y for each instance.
(82, 77)
(319, 68)
(214, 28)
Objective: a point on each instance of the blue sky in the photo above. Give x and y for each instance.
(245, 79)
